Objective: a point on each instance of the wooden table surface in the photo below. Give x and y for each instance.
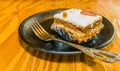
(15, 56)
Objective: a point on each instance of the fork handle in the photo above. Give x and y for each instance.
(95, 53)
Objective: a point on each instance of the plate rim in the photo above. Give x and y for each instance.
(55, 52)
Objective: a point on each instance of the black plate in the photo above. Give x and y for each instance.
(46, 19)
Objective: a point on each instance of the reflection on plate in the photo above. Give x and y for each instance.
(46, 19)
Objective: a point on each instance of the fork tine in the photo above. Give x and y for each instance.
(40, 31)
(41, 27)
(36, 31)
(38, 27)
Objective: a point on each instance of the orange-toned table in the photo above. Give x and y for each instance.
(17, 57)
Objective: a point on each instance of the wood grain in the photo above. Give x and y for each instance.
(17, 56)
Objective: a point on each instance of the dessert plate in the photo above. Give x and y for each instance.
(46, 19)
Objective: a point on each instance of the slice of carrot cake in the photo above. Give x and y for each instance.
(80, 25)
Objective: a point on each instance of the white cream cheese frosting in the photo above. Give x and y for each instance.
(75, 17)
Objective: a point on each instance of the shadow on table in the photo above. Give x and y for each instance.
(59, 58)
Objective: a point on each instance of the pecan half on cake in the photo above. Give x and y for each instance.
(77, 25)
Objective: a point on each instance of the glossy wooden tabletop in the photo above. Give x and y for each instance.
(17, 56)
